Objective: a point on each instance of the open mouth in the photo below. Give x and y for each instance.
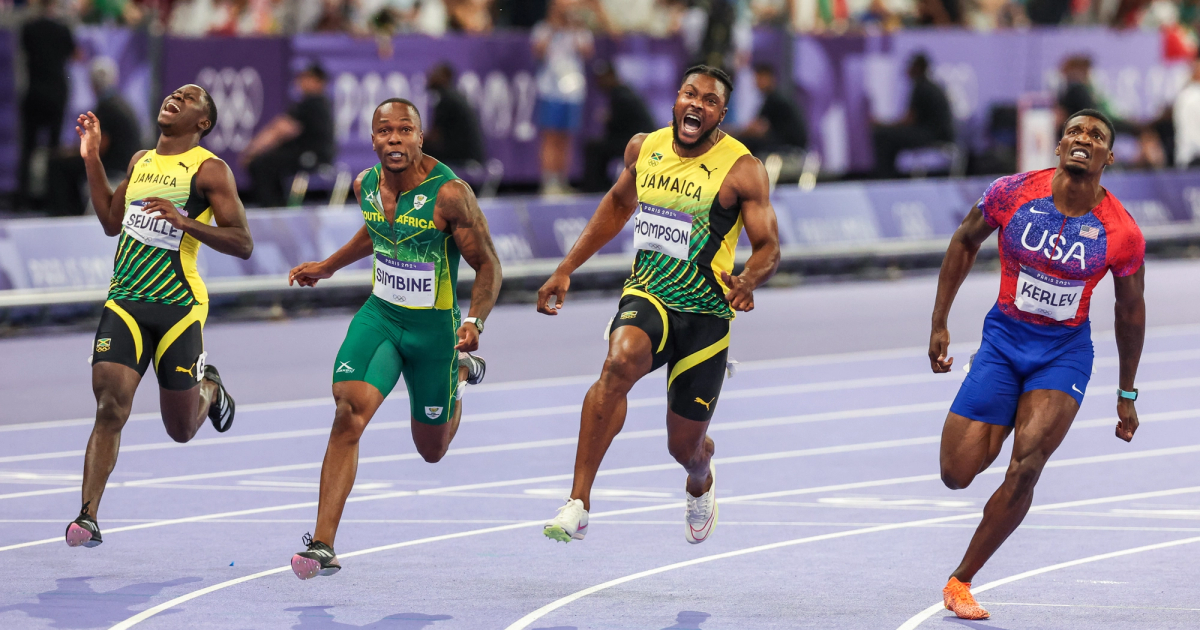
(172, 107)
(1080, 153)
(395, 155)
(691, 123)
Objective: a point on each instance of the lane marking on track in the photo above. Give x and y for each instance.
(525, 621)
(757, 392)
(764, 364)
(1089, 606)
(150, 612)
(744, 424)
(920, 617)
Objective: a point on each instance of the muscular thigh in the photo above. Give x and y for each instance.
(1043, 418)
(697, 366)
(369, 353)
(430, 364)
(644, 313)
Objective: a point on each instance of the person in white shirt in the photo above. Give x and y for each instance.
(1187, 121)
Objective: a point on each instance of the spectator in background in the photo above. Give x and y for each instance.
(1076, 93)
(561, 44)
(626, 117)
(780, 125)
(928, 120)
(1048, 12)
(1186, 114)
(110, 12)
(300, 139)
(121, 138)
(454, 136)
(48, 45)
(470, 16)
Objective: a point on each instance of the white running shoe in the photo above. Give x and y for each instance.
(570, 524)
(701, 514)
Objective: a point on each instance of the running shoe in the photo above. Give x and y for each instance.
(701, 512)
(83, 531)
(958, 599)
(570, 524)
(317, 559)
(476, 367)
(222, 407)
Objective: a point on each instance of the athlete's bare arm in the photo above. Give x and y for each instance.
(960, 257)
(109, 205)
(358, 247)
(748, 181)
(611, 215)
(231, 234)
(458, 210)
(1130, 328)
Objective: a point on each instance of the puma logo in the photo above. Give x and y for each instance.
(707, 171)
(186, 168)
(706, 404)
(187, 371)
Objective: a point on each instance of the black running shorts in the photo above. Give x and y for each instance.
(136, 333)
(691, 345)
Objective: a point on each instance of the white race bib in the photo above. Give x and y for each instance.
(662, 230)
(151, 230)
(404, 283)
(1046, 295)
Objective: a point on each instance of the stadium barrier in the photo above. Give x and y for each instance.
(68, 261)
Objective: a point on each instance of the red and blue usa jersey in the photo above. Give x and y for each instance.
(1050, 263)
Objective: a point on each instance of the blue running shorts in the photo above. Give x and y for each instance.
(1016, 357)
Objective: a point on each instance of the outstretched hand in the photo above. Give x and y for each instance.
(1127, 420)
(939, 347)
(88, 128)
(740, 295)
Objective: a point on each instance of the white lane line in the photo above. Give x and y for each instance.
(920, 617)
(525, 621)
(989, 603)
(766, 364)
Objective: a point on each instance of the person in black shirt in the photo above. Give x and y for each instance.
(929, 120)
(300, 139)
(454, 137)
(122, 137)
(627, 117)
(780, 125)
(48, 46)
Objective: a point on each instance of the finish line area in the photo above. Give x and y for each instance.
(832, 512)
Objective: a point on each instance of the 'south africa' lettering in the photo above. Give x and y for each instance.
(156, 178)
(673, 184)
(417, 222)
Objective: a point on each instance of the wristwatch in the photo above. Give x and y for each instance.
(1128, 395)
(475, 320)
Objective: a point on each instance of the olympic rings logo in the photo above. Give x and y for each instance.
(238, 95)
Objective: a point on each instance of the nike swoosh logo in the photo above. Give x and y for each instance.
(1039, 211)
(1076, 389)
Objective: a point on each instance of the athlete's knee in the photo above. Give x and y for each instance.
(956, 478)
(348, 423)
(112, 410)
(688, 452)
(1023, 473)
(433, 453)
(180, 433)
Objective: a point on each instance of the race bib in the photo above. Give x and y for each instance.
(661, 230)
(404, 283)
(151, 230)
(1046, 295)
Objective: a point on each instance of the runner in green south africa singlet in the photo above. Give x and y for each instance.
(415, 264)
(408, 325)
(683, 235)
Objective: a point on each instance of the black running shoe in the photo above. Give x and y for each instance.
(476, 367)
(83, 531)
(222, 407)
(317, 559)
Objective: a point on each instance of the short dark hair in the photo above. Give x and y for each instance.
(764, 67)
(1098, 115)
(716, 73)
(212, 111)
(919, 62)
(316, 70)
(403, 101)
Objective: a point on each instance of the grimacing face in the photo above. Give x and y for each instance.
(396, 136)
(185, 108)
(1085, 146)
(699, 109)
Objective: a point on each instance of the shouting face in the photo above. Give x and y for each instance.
(396, 135)
(699, 108)
(1086, 146)
(185, 109)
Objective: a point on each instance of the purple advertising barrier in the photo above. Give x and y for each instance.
(828, 72)
(652, 67)
(247, 78)
(9, 118)
(555, 225)
(495, 72)
(1127, 67)
(130, 50)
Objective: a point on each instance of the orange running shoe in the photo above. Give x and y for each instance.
(959, 600)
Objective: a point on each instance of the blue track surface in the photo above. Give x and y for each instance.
(832, 515)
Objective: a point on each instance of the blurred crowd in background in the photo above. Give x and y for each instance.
(653, 17)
